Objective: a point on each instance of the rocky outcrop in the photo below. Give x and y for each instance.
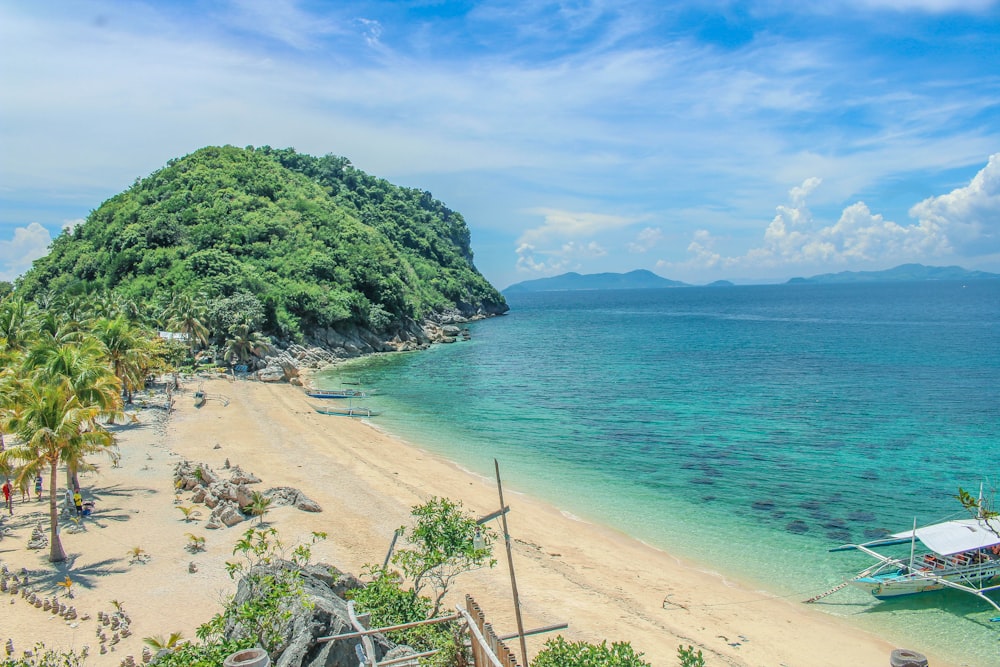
(322, 612)
(330, 345)
(227, 498)
(347, 341)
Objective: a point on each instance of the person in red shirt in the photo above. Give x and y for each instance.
(7, 500)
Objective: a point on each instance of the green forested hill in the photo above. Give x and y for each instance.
(319, 242)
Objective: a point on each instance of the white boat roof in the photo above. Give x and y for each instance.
(952, 537)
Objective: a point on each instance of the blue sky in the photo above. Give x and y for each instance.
(750, 141)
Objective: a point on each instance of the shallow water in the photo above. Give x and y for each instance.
(747, 428)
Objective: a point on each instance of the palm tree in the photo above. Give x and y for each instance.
(127, 351)
(244, 344)
(83, 363)
(18, 327)
(50, 425)
(188, 316)
(83, 367)
(17, 324)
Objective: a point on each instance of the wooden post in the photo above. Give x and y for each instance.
(392, 545)
(510, 565)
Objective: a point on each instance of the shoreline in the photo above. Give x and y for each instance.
(605, 584)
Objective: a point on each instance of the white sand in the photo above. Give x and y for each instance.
(604, 584)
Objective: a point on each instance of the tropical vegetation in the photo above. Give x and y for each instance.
(316, 242)
(69, 365)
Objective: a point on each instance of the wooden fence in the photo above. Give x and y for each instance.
(488, 650)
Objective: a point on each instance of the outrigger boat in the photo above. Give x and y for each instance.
(963, 554)
(337, 393)
(349, 411)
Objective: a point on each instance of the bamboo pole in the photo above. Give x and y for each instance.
(510, 565)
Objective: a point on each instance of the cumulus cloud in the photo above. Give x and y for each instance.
(29, 243)
(569, 224)
(969, 215)
(646, 239)
(796, 237)
(531, 259)
(565, 238)
(703, 251)
(964, 222)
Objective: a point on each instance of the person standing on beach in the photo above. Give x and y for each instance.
(7, 500)
(38, 488)
(78, 501)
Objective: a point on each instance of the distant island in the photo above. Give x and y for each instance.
(901, 273)
(642, 279)
(638, 279)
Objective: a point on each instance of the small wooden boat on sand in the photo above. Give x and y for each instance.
(350, 411)
(338, 393)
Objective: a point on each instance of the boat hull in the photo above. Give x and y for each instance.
(348, 412)
(896, 584)
(336, 393)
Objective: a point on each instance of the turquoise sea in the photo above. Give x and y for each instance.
(748, 428)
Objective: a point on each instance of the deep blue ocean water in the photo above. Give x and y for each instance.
(749, 428)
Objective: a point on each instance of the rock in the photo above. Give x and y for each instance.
(199, 495)
(240, 476)
(224, 491)
(325, 615)
(286, 495)
(206, 475)
(38, 539)
(244, 496)
(228, 515)
(271, 374)
(307, 504)
(401, 652)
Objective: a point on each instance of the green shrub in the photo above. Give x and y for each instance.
(560, 653)
(689, 657)
(43, 657)
(207, 654)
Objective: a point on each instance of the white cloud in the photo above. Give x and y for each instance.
(646, 239)
(531, 259)
(860, 237)
(569, 224)
(29, 243)
(970, 216)
(565, 238)
(702, 248)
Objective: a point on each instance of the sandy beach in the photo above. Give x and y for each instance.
(604, 584)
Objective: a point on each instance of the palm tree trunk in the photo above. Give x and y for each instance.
(56, 553)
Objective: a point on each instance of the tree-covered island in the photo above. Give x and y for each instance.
(302, 248)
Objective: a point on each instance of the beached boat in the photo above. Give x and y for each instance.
(349, 411)
(338, 393)
(963, 555)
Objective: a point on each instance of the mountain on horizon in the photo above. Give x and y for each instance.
(638, 279)
(901, 273)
